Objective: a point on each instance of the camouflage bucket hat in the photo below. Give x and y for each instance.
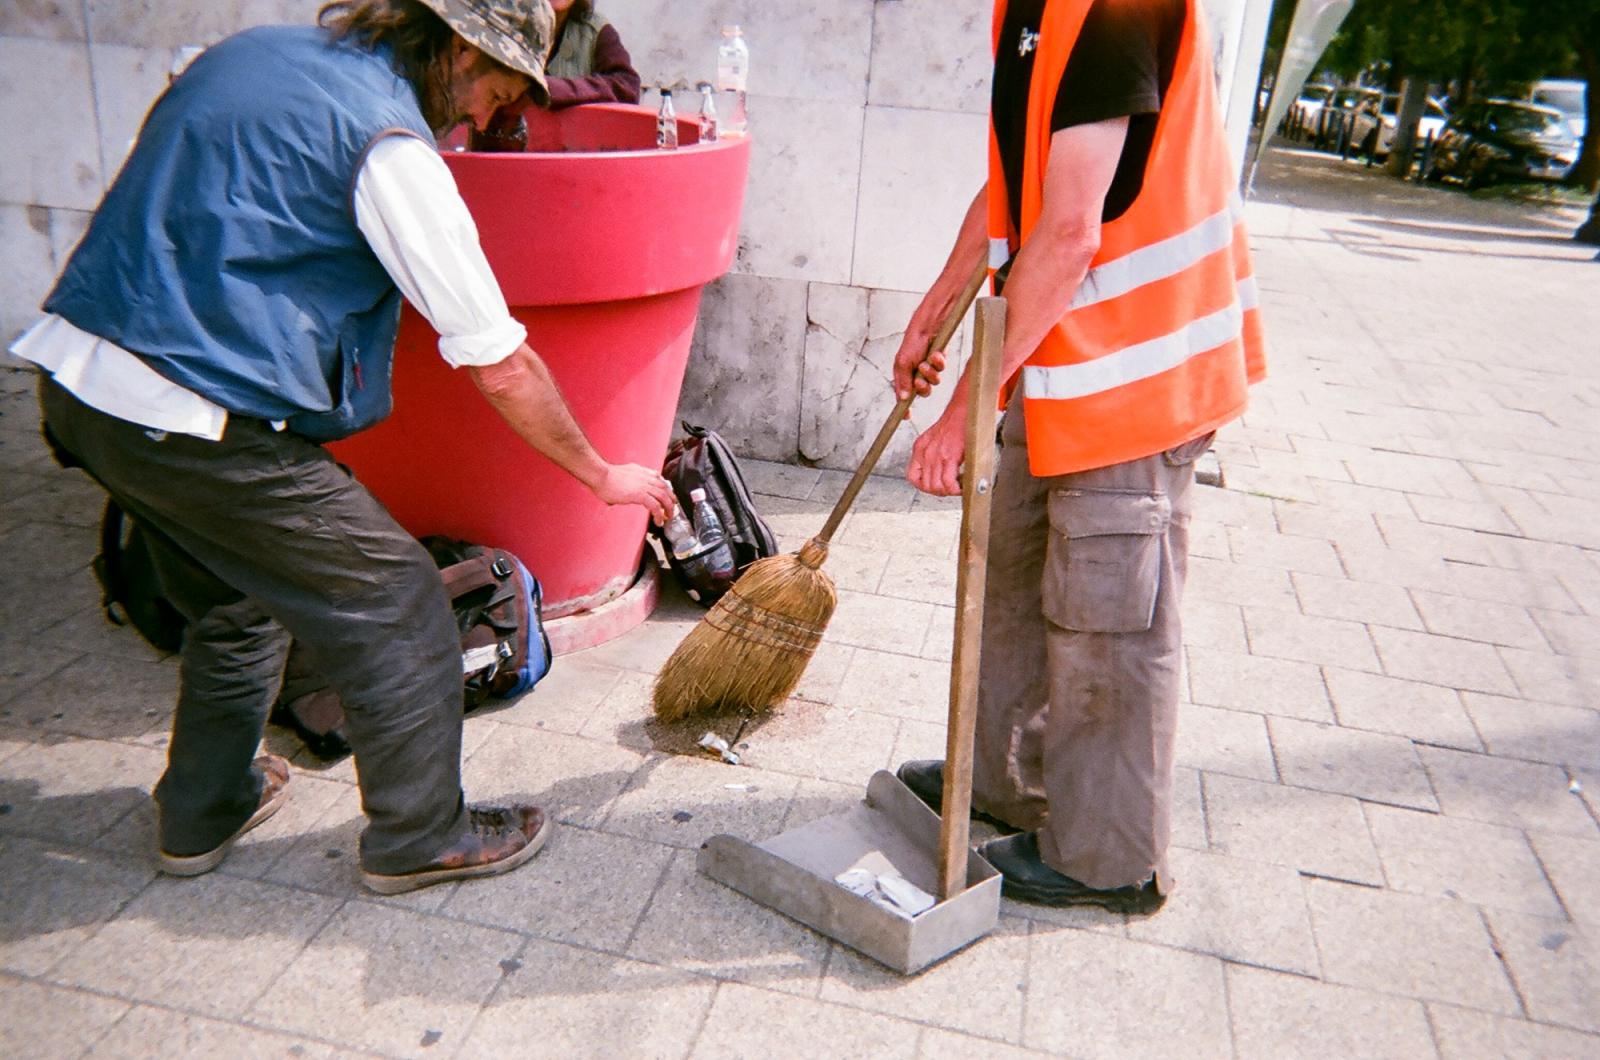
(515, 33)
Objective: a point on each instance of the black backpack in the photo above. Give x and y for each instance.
(130, 592)
(504, 649)
(497, 603)
(702, 460)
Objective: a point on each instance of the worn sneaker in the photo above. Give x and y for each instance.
(498, 839)
(274, 791)
(1026, 878)
(925, 778)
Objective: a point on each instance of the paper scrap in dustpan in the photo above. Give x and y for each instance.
(892, 892)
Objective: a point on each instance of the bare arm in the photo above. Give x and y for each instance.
(522, 390)
(1044, 278)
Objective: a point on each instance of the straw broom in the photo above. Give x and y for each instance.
(752, 647)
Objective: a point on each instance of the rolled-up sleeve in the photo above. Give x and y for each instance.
(408, 207)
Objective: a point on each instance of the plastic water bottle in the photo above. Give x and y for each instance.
(667, 123)
(733, 74)
(717, 552)
(708, 114)
(680, 535)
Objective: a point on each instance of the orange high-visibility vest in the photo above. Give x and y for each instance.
(1163, 337)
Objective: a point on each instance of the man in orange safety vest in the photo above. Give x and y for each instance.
(1112, 220)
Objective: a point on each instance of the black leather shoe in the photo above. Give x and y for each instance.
(925, 778)
(1025, 877)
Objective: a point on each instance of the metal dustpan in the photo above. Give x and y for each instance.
(892, 839)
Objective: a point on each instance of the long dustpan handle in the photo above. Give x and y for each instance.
(977, 478)
(941, 339)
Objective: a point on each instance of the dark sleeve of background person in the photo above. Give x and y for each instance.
(614, 79)
(1120, 67)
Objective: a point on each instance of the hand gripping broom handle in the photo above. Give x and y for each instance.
(952, 320)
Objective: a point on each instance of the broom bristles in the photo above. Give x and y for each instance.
(751, 649)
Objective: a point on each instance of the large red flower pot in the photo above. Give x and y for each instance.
(602, 245)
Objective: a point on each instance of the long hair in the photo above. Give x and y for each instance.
(419, 38)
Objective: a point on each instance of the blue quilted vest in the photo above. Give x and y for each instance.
(226, 254)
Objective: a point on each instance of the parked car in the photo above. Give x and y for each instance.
(1504, 138)
(1335, 112)
(1376, 124)
(1565, 96)
(1304, 110)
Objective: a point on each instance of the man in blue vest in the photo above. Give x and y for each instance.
(235, 302)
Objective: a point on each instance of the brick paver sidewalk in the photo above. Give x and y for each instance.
(1390, 762)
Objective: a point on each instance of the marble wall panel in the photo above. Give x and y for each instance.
(126, 81)
(919, 172)
(932, 55)
(162, 24)
(744, 377)
(51, 19)
(66, 231)
(800, 205)
(25, 235)
(851, 339)
(815, 51)
(51, 156)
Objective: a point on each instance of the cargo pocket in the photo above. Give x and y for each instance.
(1103, 563)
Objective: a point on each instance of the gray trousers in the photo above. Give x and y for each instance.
(259, 537)
(1078, 688)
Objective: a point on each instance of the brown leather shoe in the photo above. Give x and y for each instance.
(498, 839)
(274, 772)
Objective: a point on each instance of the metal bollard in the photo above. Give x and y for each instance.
(1425, 158)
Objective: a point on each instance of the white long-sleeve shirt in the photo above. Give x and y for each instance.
(408, 208)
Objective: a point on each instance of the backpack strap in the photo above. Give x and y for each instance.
(713, 461)
(108, 564)
(468, 575)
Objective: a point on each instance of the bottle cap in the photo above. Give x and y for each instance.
(697, 495)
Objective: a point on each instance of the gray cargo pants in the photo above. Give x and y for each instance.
(259, 537)
(1078, 687)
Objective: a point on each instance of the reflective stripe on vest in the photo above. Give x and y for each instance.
(1159, 260)
(999, 252)
(1249, 296)
(1140, 361)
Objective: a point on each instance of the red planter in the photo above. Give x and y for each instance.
(602, 245)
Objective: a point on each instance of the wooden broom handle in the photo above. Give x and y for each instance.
(941, 339)
(977, 488)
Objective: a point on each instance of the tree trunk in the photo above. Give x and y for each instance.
(1412, 101)
(1590, 231)
(1585, 172)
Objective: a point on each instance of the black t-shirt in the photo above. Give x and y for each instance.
(1121, 66)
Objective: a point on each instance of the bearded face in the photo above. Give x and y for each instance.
(467, 85)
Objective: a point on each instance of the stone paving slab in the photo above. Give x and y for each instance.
(1313, 832)
(1147, 999)
(1276, 1015)
(1464, 1033)
(1386, 823)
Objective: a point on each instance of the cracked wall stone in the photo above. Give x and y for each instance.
(744, 376)
(850, 342)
